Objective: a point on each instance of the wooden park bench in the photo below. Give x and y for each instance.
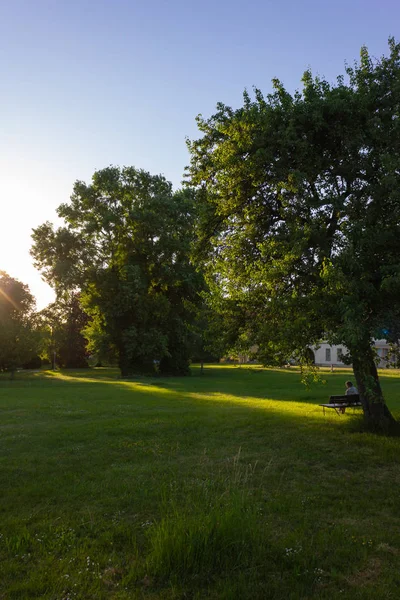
(339, 402)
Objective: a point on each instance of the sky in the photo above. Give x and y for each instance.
(89, 83)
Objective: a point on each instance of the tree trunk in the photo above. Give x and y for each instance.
(377, 416)
(125, 365)
(125, 371)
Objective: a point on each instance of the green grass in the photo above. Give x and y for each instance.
(228, 486)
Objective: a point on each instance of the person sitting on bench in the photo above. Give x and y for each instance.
(350, 391)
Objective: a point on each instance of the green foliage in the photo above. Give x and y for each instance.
(99, 344)
(19, 335)
(126, 246)
(219, 329)
(63, 323)
(304, 188)
(208, 335)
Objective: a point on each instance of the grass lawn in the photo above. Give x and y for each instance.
(231, 485)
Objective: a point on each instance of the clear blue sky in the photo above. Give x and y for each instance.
(89, 83)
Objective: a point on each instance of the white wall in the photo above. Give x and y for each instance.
(327, 355)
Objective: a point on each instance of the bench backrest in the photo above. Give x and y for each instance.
(350, 399)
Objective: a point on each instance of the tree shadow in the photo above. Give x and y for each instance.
(242, 382)
(271, 392)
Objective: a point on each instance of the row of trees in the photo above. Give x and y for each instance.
(27, 337)
(65, 335)
(127, 289)
(285, 233)
(18, 334)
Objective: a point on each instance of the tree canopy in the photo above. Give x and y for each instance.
(62, 324)
(300, 215)
(125, 247)
(19, 339)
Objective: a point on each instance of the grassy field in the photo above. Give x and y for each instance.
(231, 485)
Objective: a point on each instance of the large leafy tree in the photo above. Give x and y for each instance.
(19, 335)
(125, 246)
(301, 213)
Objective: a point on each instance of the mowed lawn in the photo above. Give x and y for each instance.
(228, 485)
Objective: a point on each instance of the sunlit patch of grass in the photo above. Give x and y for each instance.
(303, 409)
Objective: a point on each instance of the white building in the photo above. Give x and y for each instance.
(326, 355)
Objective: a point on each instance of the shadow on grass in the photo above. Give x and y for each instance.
(241, 382)
(273, 393)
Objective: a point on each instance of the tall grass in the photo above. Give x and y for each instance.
(219, 540)
(214, 530)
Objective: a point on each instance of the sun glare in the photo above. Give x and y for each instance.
(10, 300)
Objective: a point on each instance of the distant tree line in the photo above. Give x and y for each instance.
(29, 338)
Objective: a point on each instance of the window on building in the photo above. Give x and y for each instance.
(340, 355)
(328, 355)
(384, 353)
